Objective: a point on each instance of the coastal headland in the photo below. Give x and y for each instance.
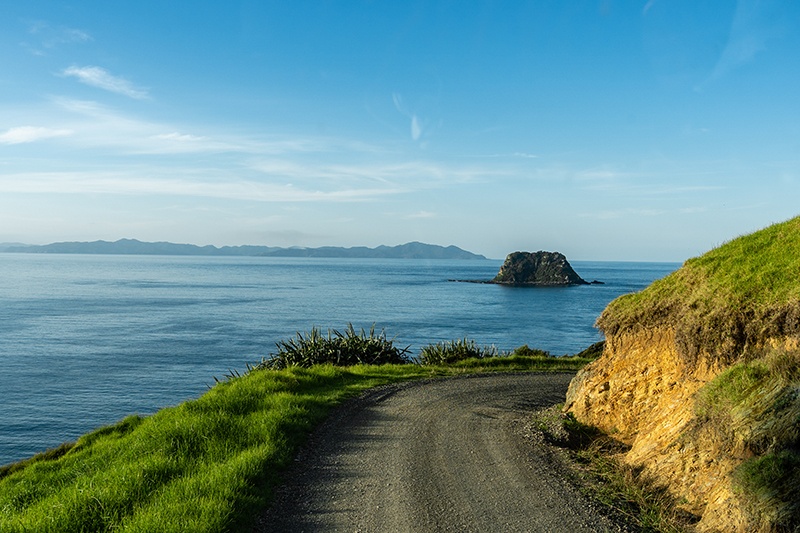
(699, 378)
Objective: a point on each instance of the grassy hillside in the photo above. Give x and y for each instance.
(207, 464)
(727, 305)
(725, 302)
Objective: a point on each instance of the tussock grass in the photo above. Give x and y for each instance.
(771, 485)
(726, 302)
(206, 465)
(336, 348)
(754, 406)
(447, 352)
(466, 352)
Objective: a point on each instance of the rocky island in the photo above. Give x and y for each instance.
(539, 269)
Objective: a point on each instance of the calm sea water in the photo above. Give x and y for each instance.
(87, 340)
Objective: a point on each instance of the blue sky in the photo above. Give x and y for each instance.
(607, 130)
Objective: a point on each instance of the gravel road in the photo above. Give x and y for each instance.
(441, 455)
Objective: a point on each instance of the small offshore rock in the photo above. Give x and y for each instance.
(538, 269)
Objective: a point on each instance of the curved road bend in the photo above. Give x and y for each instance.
(436, 456)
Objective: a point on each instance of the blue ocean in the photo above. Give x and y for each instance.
(86, 340)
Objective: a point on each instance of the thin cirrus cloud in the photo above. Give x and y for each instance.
(101, 125)
(102, 79)
(751, 29)
(416, 123)
(125, 184)
(421, 214)
(44, 38)
(29, 134)
(406, 176)
(623, 213)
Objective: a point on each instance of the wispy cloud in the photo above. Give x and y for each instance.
(58, 35)
(601, 174)
(632, 212)
(397, 100)
(147, 158)
(748, 36)
(646, 183)
(522, 155)
(102, 79)
(180, 137)
(99, 125)
(416, 126)
(408, 176)
(421, 214)
(29, 134)
(125, 183)
(47, 37)
(624, 213)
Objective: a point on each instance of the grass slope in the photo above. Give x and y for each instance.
(726, 302)
(205, 465)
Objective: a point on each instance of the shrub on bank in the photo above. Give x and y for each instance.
(525, 351)
(447, 352)
(348, 348)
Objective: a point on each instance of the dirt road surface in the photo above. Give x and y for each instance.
(436, 456)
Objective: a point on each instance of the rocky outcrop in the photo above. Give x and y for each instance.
(539, 269)
(641, 393)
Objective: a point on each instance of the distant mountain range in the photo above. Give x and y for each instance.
(411, 250)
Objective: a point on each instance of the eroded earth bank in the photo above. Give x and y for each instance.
(700, 376)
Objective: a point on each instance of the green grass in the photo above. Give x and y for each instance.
(466, 352)
(719, 397)
(755, 404)
(755, 407)
(205, 465)
(771, 485)
(725, 302)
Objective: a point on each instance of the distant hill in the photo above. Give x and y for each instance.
(5, 246)
(411, 250)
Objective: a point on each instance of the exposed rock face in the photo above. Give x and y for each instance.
(644, 394)
(540, 269)
(641, 393)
